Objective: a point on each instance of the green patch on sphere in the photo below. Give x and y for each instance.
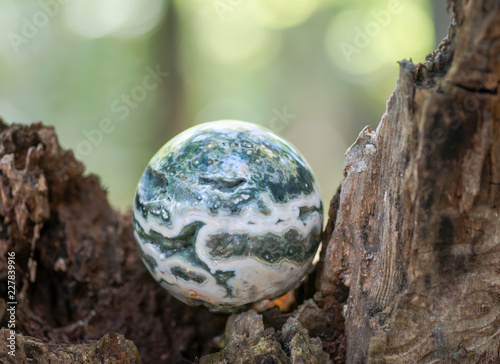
(229, 214)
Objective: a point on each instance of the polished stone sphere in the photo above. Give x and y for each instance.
(226, 214)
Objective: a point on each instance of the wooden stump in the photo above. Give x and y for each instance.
(409, 273)
(416, 237)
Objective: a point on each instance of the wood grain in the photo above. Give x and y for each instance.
(416, 238)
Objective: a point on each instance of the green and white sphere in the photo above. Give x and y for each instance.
(226, 214)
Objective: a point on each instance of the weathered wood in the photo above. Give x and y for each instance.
(411, 265)
(249, 341)
(111, 348)
(78, 273)
(416, 237)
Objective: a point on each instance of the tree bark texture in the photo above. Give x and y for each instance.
(78, 273)
(409, 272)
(415, 230)
(111, 348)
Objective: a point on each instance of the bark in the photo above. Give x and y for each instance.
(249, 341)
(111, 348)
(416, 229)
(409, 271)
(78, 273)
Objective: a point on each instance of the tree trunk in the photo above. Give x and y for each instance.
(409, 273)
(416, 237)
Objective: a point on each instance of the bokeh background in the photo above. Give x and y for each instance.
(119, 78)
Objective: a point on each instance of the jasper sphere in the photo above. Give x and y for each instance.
(226, 214)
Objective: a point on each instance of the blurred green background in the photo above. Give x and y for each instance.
(119, 78)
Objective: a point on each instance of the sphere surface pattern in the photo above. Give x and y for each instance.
(227, 214)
